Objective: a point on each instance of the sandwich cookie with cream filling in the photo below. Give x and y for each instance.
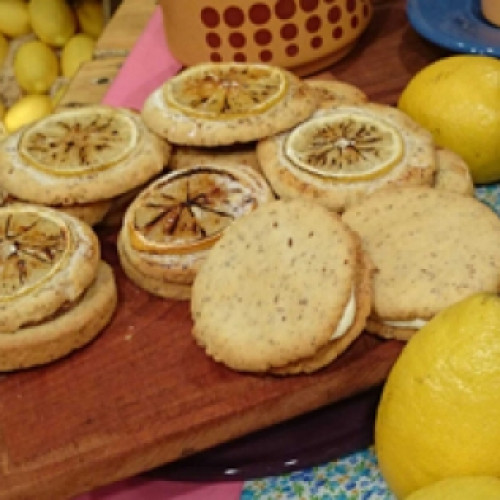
(285, 290)
(56, 293)
(430, 248)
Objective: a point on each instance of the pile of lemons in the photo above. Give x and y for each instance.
(42, 44)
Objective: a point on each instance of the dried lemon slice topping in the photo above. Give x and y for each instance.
(33, 246)
(345, 146)
(187, 210)
(222, 91)
(79, 141)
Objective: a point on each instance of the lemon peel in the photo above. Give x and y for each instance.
(225, 91)
(78, 141)
(345, 147)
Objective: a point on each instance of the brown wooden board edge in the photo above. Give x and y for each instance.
(71, 475)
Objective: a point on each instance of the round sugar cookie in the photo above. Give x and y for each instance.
(171, 225)
(452, 173)
(66, 330)
(217, 104)
(280, 287)
(239, 154)
(331, 93)
(91, 213)
(430, 249)
(339, 155)
(79, 156)
(47, 259)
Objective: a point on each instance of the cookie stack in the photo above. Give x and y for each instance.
(80, 160)
(212, 114)
(56, 293)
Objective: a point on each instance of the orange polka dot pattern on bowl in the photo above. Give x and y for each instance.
(281, 32)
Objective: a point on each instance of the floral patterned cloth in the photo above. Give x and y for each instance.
(353, 477)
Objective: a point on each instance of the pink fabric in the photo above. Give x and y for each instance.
(144, 489)
(147, 66)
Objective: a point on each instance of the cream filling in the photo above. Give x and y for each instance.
(347, 317)
(413, 324)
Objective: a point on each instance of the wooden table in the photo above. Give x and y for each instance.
(143, 394)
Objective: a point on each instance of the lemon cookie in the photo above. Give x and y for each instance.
(430, 248)
(240, 154)
(219, 104)
(91, 213)
(49, 261)
(453, 173)
(341, 154)
(170, 226)
(70, 329)
(331, 93)
(285, 290)
(79, 156)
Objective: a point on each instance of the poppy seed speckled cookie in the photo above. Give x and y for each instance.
(49, 261)
(285, 290)
(330, 93)
(219, 104)
(171, 225)
(452, 173)
(430, 248)
(341, 154)
(79, 156)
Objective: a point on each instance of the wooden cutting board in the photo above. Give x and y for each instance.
(143, 394)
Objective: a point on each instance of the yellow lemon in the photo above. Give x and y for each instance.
(439, 414)
(77, 50)
(35, 67)
(460, 488)
(4, 49)
(90, 16)
(52, 21)
(27, 110)
(14, 18)
(458, 100)
(58, 91)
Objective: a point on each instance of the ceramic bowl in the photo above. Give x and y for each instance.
(301, 35)
(491, 11)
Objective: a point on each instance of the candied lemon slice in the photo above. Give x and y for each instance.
(345, 146)
(187, 210)
(226, 90)
(33, 247)
(79, 141)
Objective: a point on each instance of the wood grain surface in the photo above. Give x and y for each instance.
(143, 394)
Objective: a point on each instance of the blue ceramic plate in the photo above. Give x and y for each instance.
(457, 25)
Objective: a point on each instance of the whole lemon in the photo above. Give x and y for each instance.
(36, 67)
(26, 110)
(460, 488)
(53, 21)
(78, 49)
(439, 413)
(458, 100)
(14, 18)
(90, 15)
